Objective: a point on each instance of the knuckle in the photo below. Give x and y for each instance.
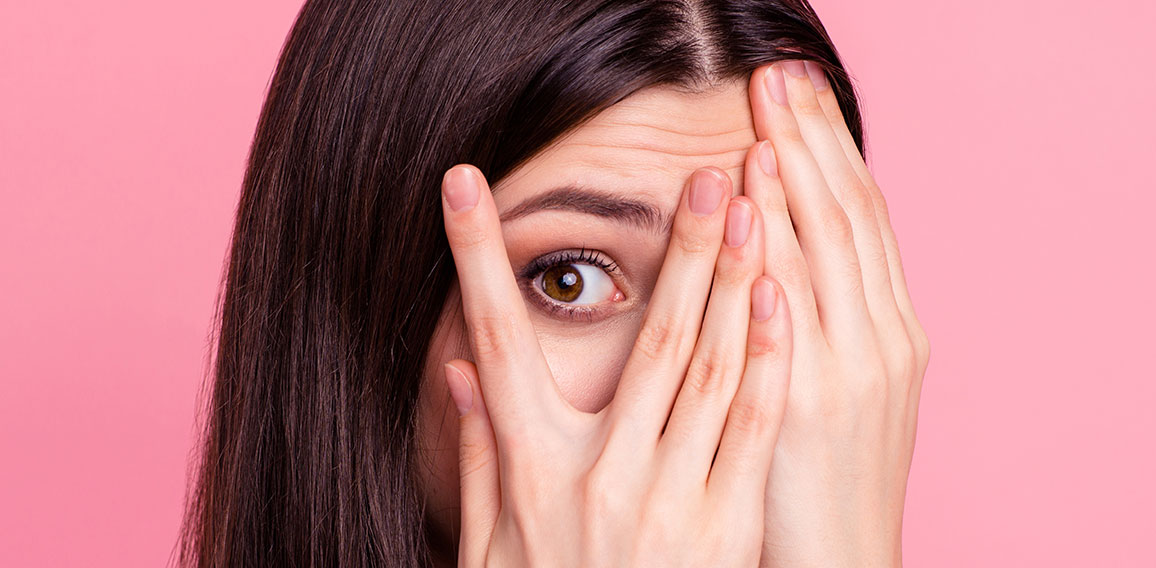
(693, 243)
(516, 439)
(773, 204)
(601, 494)
(491, 334)
(657, 338)
(706, 375)
(877, 256)
(836, 226)
(858, 202)
(879, 202)
(473, 457)
(809, 107)
(763, 346)
(789, 139)
(469, 238)
(749, 418)
(734, 273)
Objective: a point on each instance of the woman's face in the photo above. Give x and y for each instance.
(586, 225)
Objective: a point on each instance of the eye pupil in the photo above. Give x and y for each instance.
(562, 283)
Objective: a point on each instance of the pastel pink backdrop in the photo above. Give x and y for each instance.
(1014, 141)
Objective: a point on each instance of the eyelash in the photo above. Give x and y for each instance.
(528, 275)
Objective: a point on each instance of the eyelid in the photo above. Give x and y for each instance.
(528, 276)
(582, 256)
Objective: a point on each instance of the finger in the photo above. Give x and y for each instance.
(784, 258)
(740, 472)
(852, 194)
(481, 496)
(896, 278)
(824, 231)
(692, 434)
(655, 367)
(516, 379)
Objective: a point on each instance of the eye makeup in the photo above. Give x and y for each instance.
(568, 270)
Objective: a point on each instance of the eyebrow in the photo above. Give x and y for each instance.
(618, 208)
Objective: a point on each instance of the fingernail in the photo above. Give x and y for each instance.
(459, 389)
(775, 84)
(738, 226)
(818, 77)
(767, 159)
(460, 189)
(706, 191)
(763, 299)
(795, 67)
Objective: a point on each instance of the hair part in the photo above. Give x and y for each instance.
(339, 266)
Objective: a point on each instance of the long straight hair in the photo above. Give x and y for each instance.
(339, 265)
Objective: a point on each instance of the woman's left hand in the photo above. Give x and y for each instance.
(836, 490)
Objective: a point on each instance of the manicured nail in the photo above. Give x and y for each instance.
(459, 388)
(706, 192)
(460, 188)
(795, 67)
(818, 77)
(763, 299)
(775, 84)
(738, 226)
(767, 158)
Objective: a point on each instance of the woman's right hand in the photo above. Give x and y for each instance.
(674, 469)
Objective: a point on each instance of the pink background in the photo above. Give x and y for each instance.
(1014, 140)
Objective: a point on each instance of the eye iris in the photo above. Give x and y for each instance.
(562, 283)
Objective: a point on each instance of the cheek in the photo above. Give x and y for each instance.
(437, 432)
(437, 446)
(587, 365)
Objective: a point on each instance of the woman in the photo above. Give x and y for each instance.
(649, 234)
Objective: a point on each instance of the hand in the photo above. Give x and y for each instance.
(543, 484)
(839, 475)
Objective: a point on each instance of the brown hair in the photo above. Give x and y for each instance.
(339, 266)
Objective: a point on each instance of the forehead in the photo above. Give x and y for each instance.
(645, 146)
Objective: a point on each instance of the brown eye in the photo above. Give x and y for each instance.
(562, 282)
(568, 279)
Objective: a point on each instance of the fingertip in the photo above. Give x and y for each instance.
(744, 202)
(764, 298)
(759, 77)
(781, 318)
(768, 161)
(462, 187)
(755, 181)
(747, 201)
(459, 384)
(817, 75)
(740, 216)
(709, 187)
(723, 177)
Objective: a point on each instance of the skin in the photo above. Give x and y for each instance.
(563, 388)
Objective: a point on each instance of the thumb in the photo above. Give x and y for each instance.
(481, 496)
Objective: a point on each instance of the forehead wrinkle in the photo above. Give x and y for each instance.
(683, 132)
(659, 151)
(655, 138)
(628, 164)
(614, 147)
(648, 145)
